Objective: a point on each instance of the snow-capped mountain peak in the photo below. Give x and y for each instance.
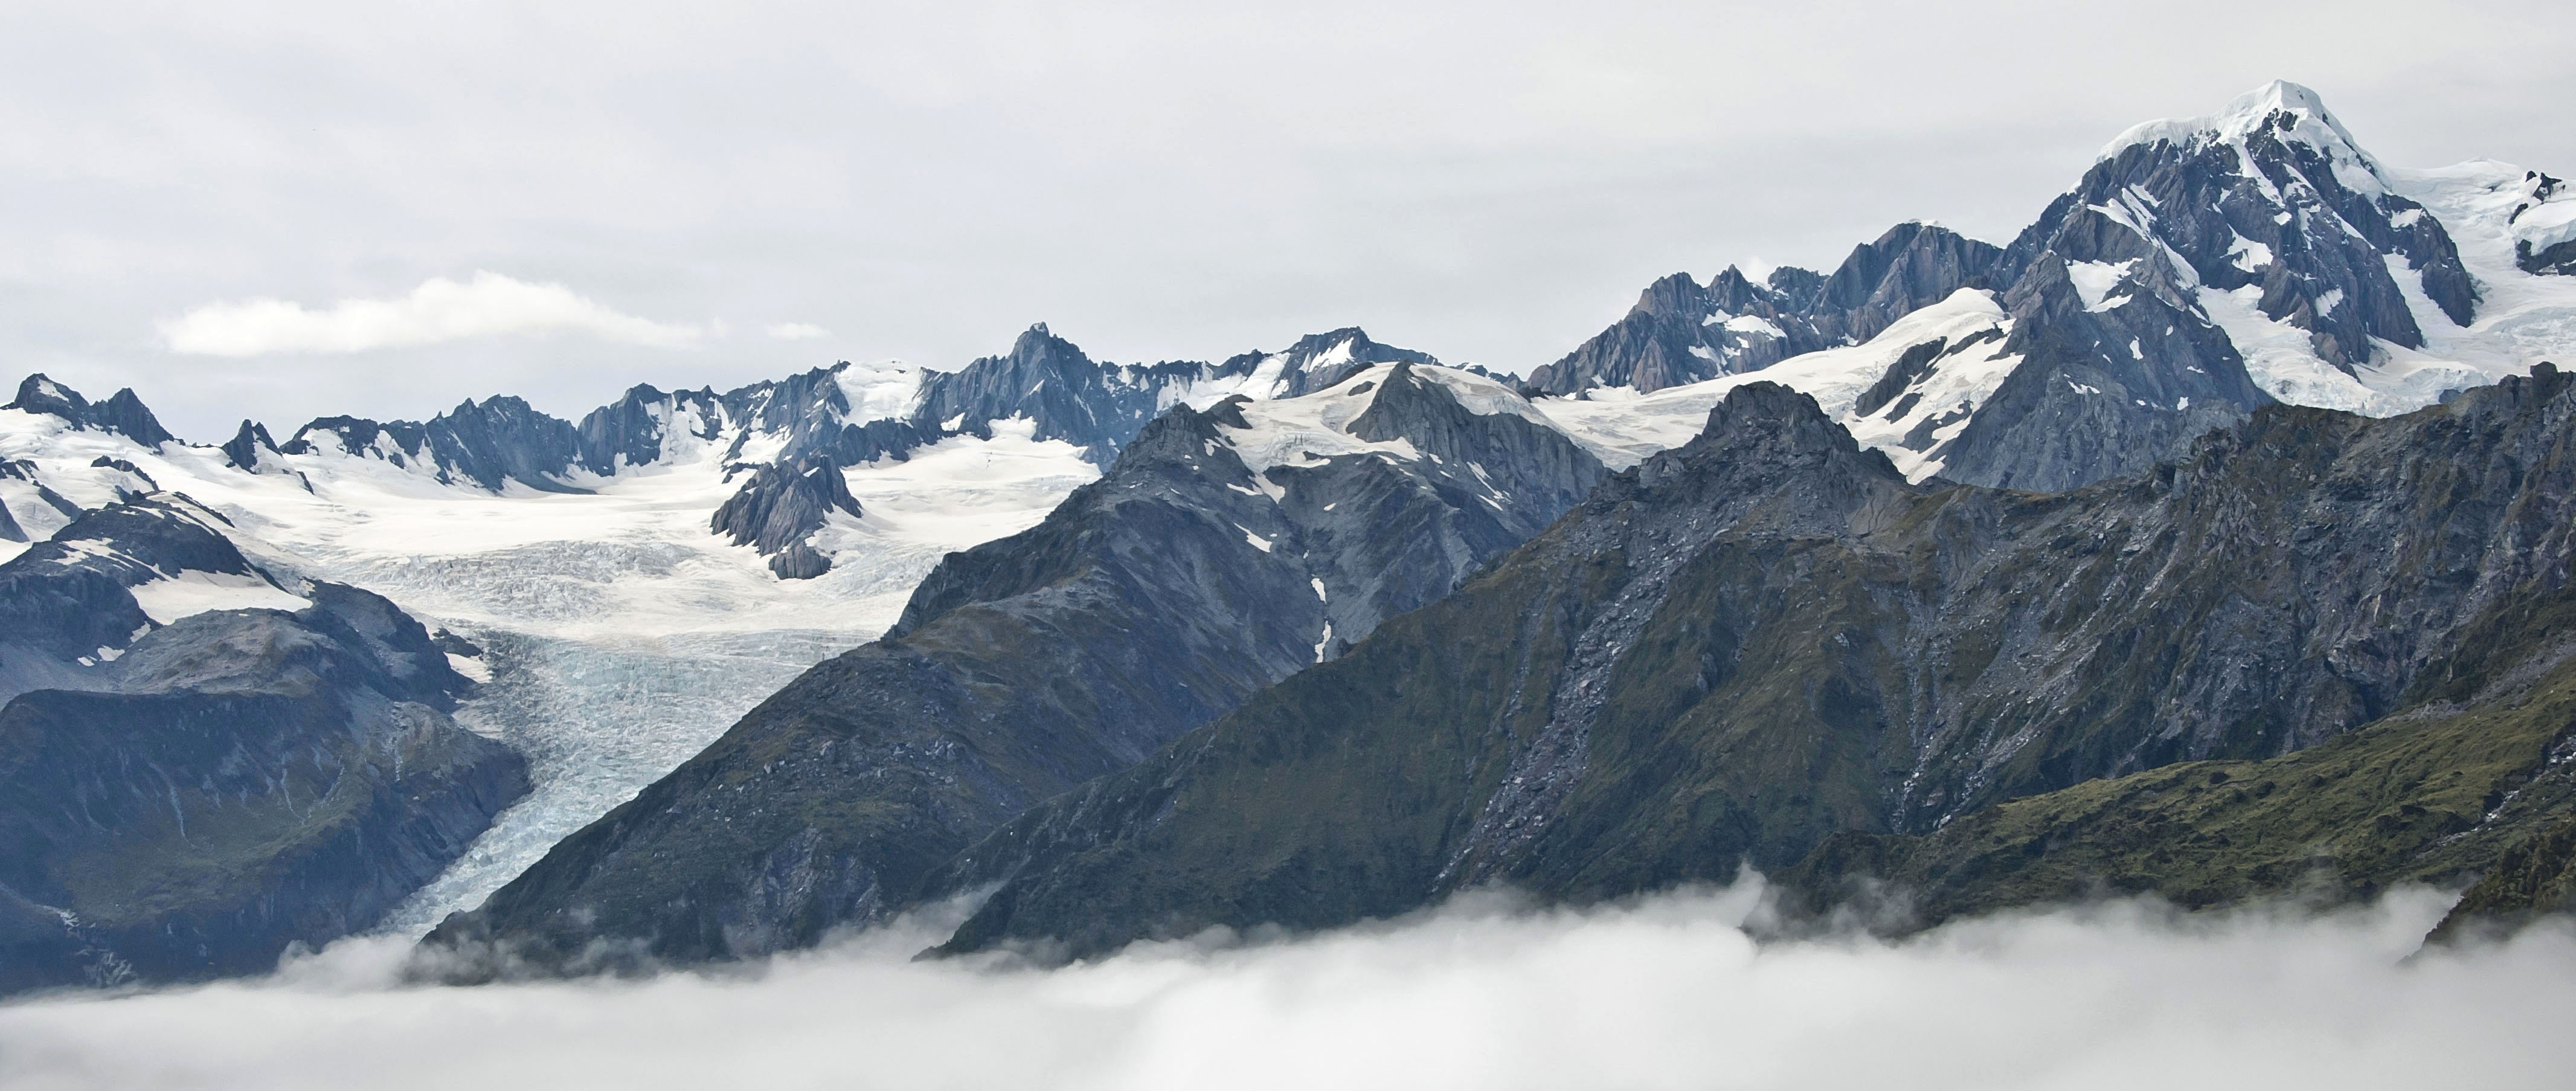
(2287, 111)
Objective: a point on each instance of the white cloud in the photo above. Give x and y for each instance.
(798, 331)
(1665, 993)
(440, 310)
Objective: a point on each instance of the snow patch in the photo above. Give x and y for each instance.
(469, 667)
(1754, 323)
(193, 592)
(2248, 255)
(880, 391)
(2094, 281)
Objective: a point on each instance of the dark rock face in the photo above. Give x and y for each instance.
(1651, 348)
(813, 415)
(122, 413)
(1150, 602)
(2559, 259)
(1100, 406)
(488, 443)
(630, 431)
(780, 508)
(1048, 380)
(1767, 637)
(504, 439)
(1911, 267)
(358, 435)
(243, 450)
(1681, 332)
(2472, 781)
(184, 801)
(2103, 390)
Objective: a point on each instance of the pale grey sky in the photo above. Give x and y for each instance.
(560, 200)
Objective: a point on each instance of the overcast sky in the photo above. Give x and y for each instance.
(283, 210)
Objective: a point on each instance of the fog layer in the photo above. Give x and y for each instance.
(1665, 993)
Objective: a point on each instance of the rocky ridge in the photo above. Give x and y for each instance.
(1683, 332)
(1769, 638)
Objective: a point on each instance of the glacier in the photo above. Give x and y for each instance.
(619, 636)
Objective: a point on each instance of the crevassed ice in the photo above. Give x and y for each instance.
(598, 721)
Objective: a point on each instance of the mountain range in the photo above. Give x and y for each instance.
(2208, 538)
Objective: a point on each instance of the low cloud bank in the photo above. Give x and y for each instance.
(1665, 993)
(439, 311)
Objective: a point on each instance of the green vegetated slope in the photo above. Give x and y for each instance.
(2439, 794)
(1767, 642)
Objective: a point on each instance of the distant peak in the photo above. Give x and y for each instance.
(38, 390)
(2295, 111)
(1329, 340)
(122, 412)
(1036, 338)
